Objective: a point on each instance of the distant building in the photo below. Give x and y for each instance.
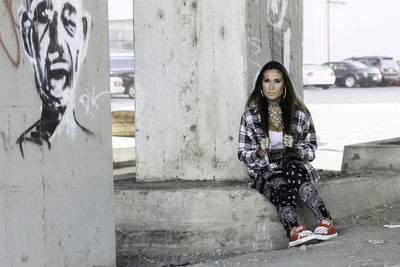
(120, 22)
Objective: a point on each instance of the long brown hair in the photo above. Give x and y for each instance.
(289, 104)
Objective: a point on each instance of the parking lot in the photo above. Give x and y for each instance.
(122, 102)
(344, 116)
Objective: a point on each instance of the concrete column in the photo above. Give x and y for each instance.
(275, 32)
(56, 186)
(195, 63)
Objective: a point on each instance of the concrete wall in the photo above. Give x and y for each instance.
(56, 202)
(194, 66)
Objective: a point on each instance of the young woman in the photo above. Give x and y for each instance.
(277, 141)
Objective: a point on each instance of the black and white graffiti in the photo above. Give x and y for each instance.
(55, 36)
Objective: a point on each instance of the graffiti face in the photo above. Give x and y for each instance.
(55, 34)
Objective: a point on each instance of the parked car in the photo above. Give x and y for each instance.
(387, 66)
(122, 65)
(116, 85)
(350, 73)
(397, 81)
(317, 75)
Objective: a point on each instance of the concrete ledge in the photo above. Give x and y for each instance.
(168, 220)
(178, 217)
(124, 157)
(382, 155)
(351, 195)
(124, 154)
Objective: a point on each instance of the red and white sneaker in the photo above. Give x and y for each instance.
(326, 230)
(302, 236)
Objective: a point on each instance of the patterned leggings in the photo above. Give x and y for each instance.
(284, 188)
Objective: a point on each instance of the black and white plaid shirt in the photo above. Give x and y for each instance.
(251, 132)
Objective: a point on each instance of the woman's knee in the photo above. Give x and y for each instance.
(295, 170)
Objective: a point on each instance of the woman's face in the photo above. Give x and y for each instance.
(272, 84)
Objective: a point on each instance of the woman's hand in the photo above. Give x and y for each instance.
(264, 143)
(288, 140)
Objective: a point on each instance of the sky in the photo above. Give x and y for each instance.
(120, 9)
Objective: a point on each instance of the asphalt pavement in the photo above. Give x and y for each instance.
(345, 116)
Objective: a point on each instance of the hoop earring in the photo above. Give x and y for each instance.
(262, 93)
(284, 94)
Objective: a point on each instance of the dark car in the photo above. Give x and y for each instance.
(122, 65)
(386, 65)
(350, 73)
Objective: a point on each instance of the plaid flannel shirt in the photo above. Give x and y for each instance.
(251, 132)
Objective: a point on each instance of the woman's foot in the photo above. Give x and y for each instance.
(301, 236)
(326, 230)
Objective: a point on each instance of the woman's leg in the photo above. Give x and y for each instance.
(300, 182)
(284, 198)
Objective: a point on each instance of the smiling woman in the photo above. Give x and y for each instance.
(55, 35)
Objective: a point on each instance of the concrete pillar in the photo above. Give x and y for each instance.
(275, 32)
(56, 186)
(195, 63)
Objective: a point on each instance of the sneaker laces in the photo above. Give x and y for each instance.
(321, 230)
(304, 233)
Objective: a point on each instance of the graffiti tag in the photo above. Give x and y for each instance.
(275, 14)
(89, 100)
(15, 61)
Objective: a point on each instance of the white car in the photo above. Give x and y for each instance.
(317, 75)
(116, 85)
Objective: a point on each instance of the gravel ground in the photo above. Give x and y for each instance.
(363, 241)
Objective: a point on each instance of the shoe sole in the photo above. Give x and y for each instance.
(326, 237)
(304, 241)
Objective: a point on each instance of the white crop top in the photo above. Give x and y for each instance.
(276, 140)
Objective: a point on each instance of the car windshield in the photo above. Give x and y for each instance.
(389, 63)
(358, 65)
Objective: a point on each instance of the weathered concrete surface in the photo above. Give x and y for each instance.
(174, 218)
(56, 203)
(195, 63)
(354, 246)
(351, 195)
(274, 32)
(376, 156)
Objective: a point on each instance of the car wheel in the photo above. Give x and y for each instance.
(131, 91)
(350, 81)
